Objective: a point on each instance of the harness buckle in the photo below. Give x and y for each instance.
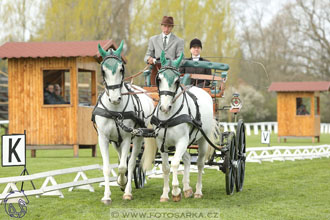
(120, 117)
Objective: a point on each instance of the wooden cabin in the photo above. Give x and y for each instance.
(298, 108)
(62, 124)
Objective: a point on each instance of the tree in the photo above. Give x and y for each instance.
(19, 19)
(311, 40)
(209, 20)
(85, 20)
(293, 45)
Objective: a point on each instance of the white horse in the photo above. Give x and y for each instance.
(176, 119)
(116, 105)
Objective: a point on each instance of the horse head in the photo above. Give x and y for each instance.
(168, 81)
(112, 68)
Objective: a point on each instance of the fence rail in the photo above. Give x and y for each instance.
(259, 154)
(50, 187)
(266, 126)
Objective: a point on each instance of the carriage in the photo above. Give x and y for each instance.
(229, 148)
(123, 111)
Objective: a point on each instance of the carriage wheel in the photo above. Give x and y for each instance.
(241, 145)
(229, 164)
(139, 177)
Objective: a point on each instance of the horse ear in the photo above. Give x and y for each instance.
(102, 51)
(178, 61)
(119, 49)
(162, 58)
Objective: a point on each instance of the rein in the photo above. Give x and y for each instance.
(184, 89)
(137, 74)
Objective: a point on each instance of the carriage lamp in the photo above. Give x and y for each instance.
(236, 101)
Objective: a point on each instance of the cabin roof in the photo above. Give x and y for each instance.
(54, 49)
(300, 86)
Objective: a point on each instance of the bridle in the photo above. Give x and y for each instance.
(177, 82)
(115, 86)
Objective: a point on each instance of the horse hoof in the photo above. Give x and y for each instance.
(127, 197)
(176, 198)
(122, 182)
(106, 201)
(163, 199)
(198, 196)
(188, 193)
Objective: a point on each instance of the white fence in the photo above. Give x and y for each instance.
(259, 154)
(55, 189)
(266, 126)
(256, 154)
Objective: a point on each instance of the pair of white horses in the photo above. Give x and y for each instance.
(117, 99)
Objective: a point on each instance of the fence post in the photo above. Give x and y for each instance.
(255, 128)
(248, 129)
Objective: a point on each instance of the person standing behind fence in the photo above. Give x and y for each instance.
(195, 50)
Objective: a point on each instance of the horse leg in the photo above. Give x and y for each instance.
(137, 143)
(188, 192)
(122, 168)
(180, 149)
(166, 175)
(202, 150)
(104, 148)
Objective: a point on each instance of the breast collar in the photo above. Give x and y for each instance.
(184, 118)
(137, 115)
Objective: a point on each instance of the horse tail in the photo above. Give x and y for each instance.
(214, 137)
(149, 153)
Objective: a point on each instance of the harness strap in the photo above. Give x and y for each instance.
(114, 115)
(171, 122)
(185, 118)
(194, 98)
(166, 93)
(105, 112)
(113, 87)
(162, 148)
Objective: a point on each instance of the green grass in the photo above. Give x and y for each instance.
(278, 190)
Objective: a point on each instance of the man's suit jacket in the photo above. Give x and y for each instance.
(173, 49)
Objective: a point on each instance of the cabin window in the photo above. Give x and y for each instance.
(317, 105)
(85, 87)
(303, 105)
(56, 84)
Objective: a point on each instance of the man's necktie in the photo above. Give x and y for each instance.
(164, 43)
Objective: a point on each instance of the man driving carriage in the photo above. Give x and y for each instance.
(173, 46)
(167, 41)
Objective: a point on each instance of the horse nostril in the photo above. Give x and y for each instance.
(169, 107)
(119, 98)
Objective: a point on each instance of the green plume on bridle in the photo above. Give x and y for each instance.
(117, 52)
(112, 64)
(170, 65)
